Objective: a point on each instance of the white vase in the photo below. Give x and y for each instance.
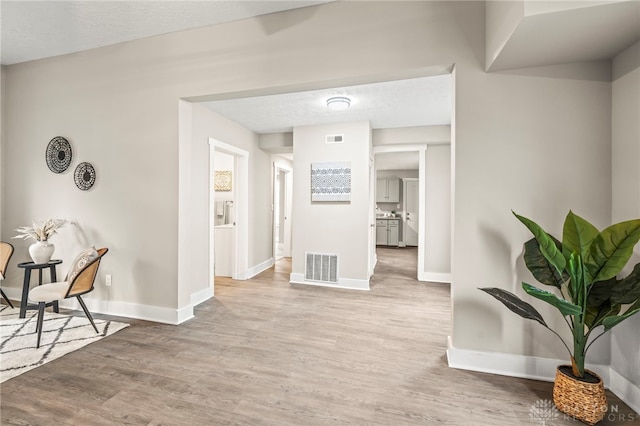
(41, 251)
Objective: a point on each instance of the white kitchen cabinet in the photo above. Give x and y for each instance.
(388, 190)
(381, 232)
(387, 232)
(392, 232)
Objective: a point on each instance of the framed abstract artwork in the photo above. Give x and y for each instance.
(331, 181)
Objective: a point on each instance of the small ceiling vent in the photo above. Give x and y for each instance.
(335, 138)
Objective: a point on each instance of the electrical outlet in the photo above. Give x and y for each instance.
(108, 280)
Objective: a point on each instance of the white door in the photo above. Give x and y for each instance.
(288, 191)
(281, 211)
(372, 217)
(411, 209)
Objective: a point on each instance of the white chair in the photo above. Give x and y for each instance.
(6, 250)
(79, 281)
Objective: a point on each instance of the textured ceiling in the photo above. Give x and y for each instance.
(40, 29)
(401, 103)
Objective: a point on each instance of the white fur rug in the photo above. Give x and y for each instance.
(61, 334)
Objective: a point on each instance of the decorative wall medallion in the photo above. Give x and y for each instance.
(222, 180)
(331, 181)
(58, 154)
(85, 176)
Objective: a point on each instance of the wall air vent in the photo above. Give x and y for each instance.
(321, 267)
(335, 139)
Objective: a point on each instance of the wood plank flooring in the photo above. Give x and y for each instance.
(265, 352)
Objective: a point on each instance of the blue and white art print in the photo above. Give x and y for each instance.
(331, 181)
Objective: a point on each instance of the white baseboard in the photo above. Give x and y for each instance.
(184, 314)
(201, 296)
(373, 268)
(346, 283)
(261, 267)
(536, 368)
(625, 390)
(132, 310)
(121, 309)
(435, 277)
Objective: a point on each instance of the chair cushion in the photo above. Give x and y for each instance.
(49, 292)
(86, 256)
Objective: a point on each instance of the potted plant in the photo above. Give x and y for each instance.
(583, 270)
(42, 250)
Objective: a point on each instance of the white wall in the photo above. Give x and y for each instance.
(397, 173)
(502, 19)
(437, 251)
(1, 145)
(412, 135)
(277, 143)
(340, 228)
(625, 341)
(205, 124)
(539, 146)
(437, 230)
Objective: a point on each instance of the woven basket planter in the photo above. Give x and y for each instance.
(581, 400)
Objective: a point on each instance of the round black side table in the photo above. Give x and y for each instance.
(28, 267)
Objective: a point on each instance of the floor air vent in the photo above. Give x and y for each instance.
(321, 267)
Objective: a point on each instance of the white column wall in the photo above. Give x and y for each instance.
(540, 147)
(340, 228)
(437, 251)
(625, 341)
(1, 144)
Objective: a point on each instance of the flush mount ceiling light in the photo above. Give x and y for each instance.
(338, 103)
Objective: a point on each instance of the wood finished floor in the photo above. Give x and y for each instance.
(264, 352)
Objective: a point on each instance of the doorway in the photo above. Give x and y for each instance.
(434, 207)
(228, 218)
(282, 190)
(403, 168)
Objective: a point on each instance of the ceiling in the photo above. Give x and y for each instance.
(41, 29)
(402, 103)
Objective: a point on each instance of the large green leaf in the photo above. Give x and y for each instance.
(577, 234)
(540, 266)
(577, 285)
(600, 291)
(565, 307)
(611, 249)
(547, 246)
(595, 315)
(628, 289)
(611, 321)
(515, 304)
